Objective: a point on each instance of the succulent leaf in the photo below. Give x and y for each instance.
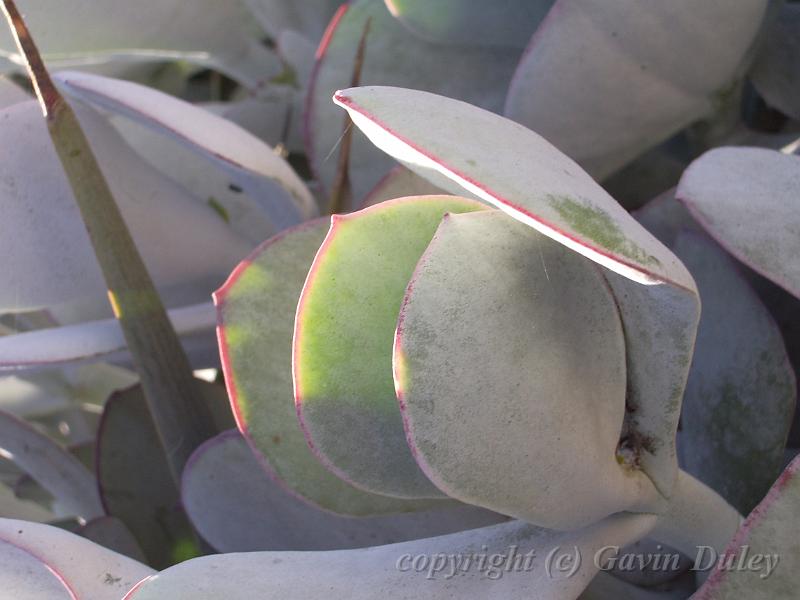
(237, 507)
(256, 311)
(346, 319)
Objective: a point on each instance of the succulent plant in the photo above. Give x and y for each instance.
(441, 360)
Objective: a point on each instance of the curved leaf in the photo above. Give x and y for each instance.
(135, 481)
(605, 81)
(463, 22)
(741, 391)
(393, 56)
(767, 533)
(85, 569)
(237, 508)
(346, 317)
(24, 577)
(256, 311)
(505, 335)
(102, 340)
(386, 571)
(253, 165)
(461, 147)
(51, 466)
(49, 260)
(746, 199)
(218, 35)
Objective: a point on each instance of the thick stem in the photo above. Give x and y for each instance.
(183, 422)
(697, 516)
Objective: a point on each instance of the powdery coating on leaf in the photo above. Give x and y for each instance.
(465, 22)
(236, 507)
(514, 169)
(209, 32)
(346, 319)
(660, 325)
(43, 239)
(393, 56)
(252, 164)
(696, 516)
(87, 570)
(741, 392)
(505, 335)
(256, 312)
(24, 577)
(767, 530)
(370, 573)
(605, 81)
(747, 200)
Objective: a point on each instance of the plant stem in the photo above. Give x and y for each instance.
(341, 192)
(183, 422)
(697, 516)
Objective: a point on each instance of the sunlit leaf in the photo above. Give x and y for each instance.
(504, 335)
(256, 309)
(345, 324)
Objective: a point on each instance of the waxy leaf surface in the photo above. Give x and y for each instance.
(345, 324)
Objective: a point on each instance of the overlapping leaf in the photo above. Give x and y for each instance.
(605, 81)
(462, 22)
(383, 571)
(460, 147)
(746, 198)
(256, 310)
(219, 35)
(84, 569)
(767, 532)
(134, 479)
(346, 319)
(236, 507)
(505, 335)
(48, 259)
(251, 164)
(393, 56)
